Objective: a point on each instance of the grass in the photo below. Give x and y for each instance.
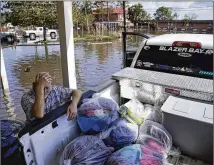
(46, 42)
(96, 38)
(88, 38)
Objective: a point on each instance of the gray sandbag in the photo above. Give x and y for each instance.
(120, 133)
(85, 150)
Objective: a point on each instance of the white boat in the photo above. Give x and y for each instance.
(174, 71)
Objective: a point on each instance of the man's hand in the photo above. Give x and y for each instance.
(72, 111)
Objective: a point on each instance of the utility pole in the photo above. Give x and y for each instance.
(124, 15)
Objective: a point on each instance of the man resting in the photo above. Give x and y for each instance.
(44, 97)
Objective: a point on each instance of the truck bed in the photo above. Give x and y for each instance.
(184, 160)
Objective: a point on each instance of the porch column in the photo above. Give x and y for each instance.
(4, 81)
(67, 44)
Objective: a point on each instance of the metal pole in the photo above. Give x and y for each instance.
(124, 15)
(124, 48)
(124, 34)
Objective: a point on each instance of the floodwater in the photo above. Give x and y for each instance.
(95, 63)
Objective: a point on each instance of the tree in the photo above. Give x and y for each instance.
(82, 16)
(164, 13)
(87, 9)
(2, 19)
(2, 13)
(77, 16)
(188, 18)
(34, 13)
(136, 14)
(148, 17)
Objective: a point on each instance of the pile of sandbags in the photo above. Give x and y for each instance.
(153, 144)
(133, 143)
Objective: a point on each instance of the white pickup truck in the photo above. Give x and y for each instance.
(38, 31)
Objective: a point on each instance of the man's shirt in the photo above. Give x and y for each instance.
(55, 98)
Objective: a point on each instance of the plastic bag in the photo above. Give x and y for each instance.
(136, 154)
(96, 114)
(151, 131)
(134, 111)
(85, 150)
(155, 115)
(120, 133)
(136, 107)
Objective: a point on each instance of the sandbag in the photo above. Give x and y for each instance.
(120, 133)
(96, 114)
(150, 132)
(87, 150)
(136, 154)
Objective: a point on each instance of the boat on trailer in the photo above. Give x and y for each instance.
(173, 71)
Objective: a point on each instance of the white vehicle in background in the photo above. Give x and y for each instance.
(38, 32)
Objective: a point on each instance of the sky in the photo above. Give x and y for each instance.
(204, 10)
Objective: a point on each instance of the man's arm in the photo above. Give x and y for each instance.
(72, 108)
(39, 86)
(76, 95)
(39, 104)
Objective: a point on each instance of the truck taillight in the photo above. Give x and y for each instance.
(186, 44)
(172, 91)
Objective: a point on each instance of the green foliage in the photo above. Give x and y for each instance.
(27, 13)
(37, 13)
(165, 13)
(2, 19)
(190, 17)
(136, 14)
(82, 15)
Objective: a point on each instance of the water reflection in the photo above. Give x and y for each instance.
(27, 40)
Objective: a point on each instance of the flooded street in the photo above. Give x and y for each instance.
(94, 65)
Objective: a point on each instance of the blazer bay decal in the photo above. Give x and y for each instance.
(186, 50)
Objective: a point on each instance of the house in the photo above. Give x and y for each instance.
(111, 17)
(194, 26)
